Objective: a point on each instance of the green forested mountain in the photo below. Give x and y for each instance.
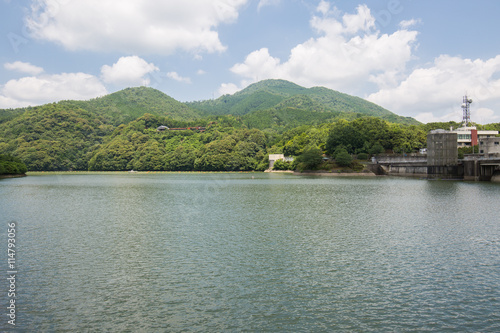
(53, 136)
(119, 131)
(295, 111)
(129, 104)
(280, 96)
(221, 147)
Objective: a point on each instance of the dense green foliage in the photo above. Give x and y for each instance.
(219, 148)
(309, 159)
(343, 158)
(283, 165)
(276, 95)
(129, 104)
(119, 131)
(374, 135)
(53, 137)
(10, 165)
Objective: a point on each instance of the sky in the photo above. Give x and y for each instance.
(415, 58)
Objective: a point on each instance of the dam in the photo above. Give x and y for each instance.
(441, 161)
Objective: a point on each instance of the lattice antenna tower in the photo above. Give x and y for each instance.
(466, 110)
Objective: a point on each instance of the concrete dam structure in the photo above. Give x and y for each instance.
(441, 162)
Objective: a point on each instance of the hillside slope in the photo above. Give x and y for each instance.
(129, 104)
(53, 137)
(272, 95)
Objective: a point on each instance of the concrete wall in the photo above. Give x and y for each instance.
(406, 170)
(489, 146)
(273, 158)
(442, 148)
(481, 169)
(402, 159)
(445, 172)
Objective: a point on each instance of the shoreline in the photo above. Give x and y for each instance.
(325, 173)
(296, 173)
(128, 172)
(336, 174)
(13, 176)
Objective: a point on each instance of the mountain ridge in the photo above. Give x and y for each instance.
(271, 96)
(268, 94)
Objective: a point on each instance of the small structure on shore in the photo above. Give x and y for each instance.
(195, 128)
(274, 157)
(442, 154)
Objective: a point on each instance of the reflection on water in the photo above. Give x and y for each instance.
(255, 252)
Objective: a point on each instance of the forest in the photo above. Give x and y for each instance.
(10, 165)
(119, 132)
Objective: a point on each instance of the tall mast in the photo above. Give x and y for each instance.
(466, 110)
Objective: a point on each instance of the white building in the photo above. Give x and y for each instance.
(274, 157)
(470, 136)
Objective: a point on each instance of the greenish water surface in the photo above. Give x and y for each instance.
(251, 252)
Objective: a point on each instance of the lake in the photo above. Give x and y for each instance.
(250, 252)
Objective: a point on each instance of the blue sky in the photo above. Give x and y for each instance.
(415, 58)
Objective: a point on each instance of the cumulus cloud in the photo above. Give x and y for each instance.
(24, 67)
(133, 26)
(264, 3)
(436, 92)
(348, 51)
(36, 90)
(175, 76)
(228, 89)
(128, 71)
(46, 88)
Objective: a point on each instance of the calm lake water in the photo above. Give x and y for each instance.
(251, 252)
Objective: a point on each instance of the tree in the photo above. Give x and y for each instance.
(346, 134)
(376, 149)
(282, 165)
(310, 158)
(11, 165)
(343, 158)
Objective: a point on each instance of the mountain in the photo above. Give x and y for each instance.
(129, 104)
(53, 136)
(67, 135)
(279, 95)
(64, 135)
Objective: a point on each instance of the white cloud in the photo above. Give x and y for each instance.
(128, 71)
(133, 26)
(49, 88)
(409, 23)
(41, 89)
(436, 92)
(264, 3)
(323, 7)
(349, 51)
(24, 67)
(177, 77)
(228, 88)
